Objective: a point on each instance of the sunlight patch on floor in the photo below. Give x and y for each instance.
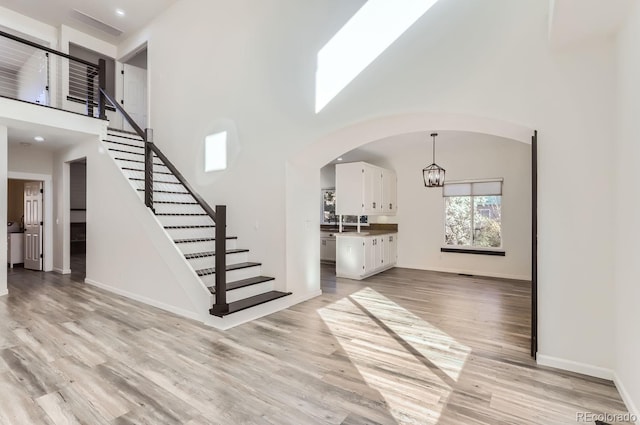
(398, 354)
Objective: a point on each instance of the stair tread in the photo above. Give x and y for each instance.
(167, 191)
(129, 152)
(175, 202)
(142, 171)
(141, 162)
(194, 226)
(237, 266)
(237, 284)
(155, 181)
(251, 302)
(200, 240)
(185, 215)
(212, 253)
(124, 144)
(117, 130)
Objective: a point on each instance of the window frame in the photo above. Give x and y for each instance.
(337, 223)
(472, 249)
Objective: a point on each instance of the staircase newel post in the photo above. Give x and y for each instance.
(102, 84)
(221, 305)
(148, 168)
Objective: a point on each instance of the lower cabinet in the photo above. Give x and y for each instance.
(328, 249)
(358, 257)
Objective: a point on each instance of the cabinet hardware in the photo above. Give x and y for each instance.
(374, 205)
(390, 206)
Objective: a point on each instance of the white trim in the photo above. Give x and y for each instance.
(3, 293)
(471, 272)
(47, 185)
(571, 366)
(145, 300)
(626, 398)
(61, 271)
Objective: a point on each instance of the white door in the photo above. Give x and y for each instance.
(134, 95)
(33, 225)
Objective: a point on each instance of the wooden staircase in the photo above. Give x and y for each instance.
(191, 228)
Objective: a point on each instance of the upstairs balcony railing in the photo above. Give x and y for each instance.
(37, 74)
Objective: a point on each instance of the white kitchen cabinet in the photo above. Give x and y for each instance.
(389, 192)
(15, 248)
(328, 248)
(358, 257)
(363, 189)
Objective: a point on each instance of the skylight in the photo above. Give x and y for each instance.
(360, 41)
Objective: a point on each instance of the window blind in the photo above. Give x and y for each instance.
(475, 188)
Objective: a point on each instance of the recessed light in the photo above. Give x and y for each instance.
(340, 159)
(39, 139)
(120, 12)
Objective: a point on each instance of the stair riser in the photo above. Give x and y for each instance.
(131, 156)
(195, 247)
(133, 149)
(158, 185)
(208, 232)
(233, 275)
(177, 209)
(138, 165)
(209, 262)
(186, 220)
(248, 291)
(172, 197)
(157, 177)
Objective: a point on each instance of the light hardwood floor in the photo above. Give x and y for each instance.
(403, 347)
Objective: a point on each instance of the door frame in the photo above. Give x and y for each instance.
(47, 228)
(534, 245)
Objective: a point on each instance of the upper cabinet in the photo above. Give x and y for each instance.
(365, 189)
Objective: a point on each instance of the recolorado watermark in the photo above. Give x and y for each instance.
(590, 417)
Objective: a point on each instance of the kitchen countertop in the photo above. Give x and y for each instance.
(367, 233)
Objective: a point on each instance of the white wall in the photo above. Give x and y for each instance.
(3, 211)
(488, 59)
(627, 231)
(30, 159)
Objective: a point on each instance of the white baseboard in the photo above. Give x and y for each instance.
(571, 366)
(171, 309)
(62, 271)
(631, 407)
(471, 272)
(3, 293)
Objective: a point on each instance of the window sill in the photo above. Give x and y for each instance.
(475, 251)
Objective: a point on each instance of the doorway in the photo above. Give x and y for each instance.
(134, 89)
(78, 218)
(25, 224)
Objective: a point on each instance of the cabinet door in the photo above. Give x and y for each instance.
(370, 254)
(350, 257)
(372, 189)
(323, 248)
(349, 188)
(384, 250)
(330, 250)
(389, 192)
(392, 247)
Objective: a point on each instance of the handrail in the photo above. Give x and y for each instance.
(47, 49)
(205, 206)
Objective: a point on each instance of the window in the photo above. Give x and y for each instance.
(473, 214)
(215, 152)
(328, 211)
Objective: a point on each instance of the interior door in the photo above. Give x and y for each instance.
(135, 95)
(33, 225)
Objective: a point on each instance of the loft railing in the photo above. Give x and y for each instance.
(37, 74)
(219, 216)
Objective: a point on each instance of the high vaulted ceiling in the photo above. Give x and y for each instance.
(137, 13)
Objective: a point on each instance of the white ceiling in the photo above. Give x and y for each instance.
(22, 134)
(138, 13)
(575, 21)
